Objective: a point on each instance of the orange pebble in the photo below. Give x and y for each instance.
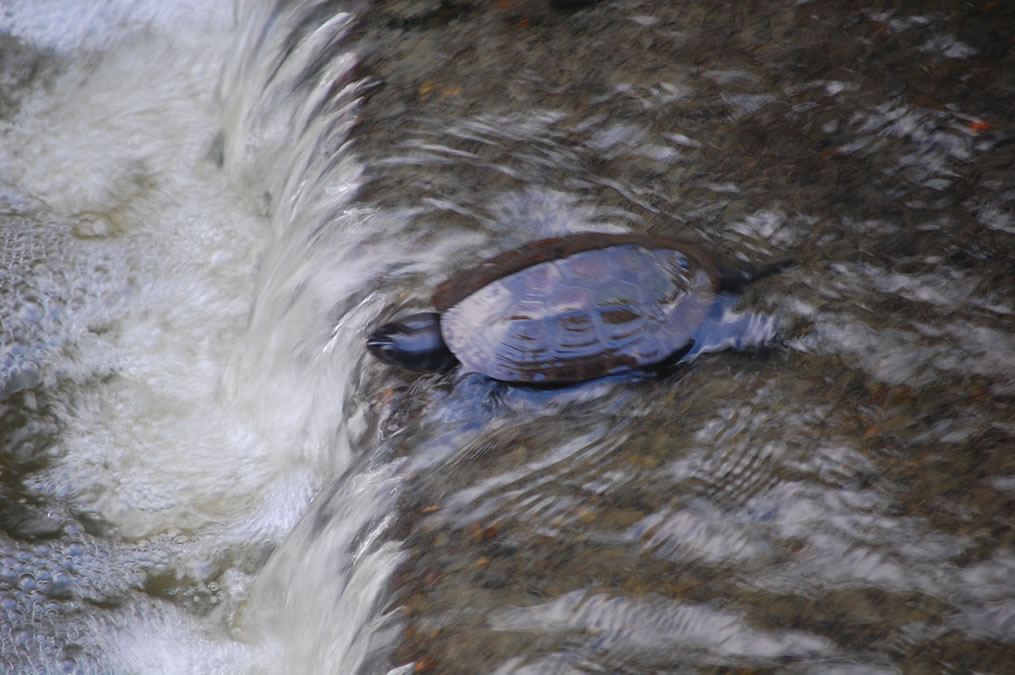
(979, 126)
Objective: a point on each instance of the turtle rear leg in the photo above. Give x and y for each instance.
(726, 328)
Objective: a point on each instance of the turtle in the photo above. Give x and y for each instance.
(568, 309)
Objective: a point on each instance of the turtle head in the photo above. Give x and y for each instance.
(413, 341)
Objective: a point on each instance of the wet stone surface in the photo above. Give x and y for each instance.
(844, 500)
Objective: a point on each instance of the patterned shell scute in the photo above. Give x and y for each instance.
(587, 315)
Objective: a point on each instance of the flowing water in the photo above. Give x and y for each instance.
(204, 209)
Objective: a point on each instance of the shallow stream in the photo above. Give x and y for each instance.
(205, 208)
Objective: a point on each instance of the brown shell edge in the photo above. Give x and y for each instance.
(466, 282)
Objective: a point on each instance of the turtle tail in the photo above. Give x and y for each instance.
(733, 279)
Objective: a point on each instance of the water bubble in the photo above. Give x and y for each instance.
(29, 311)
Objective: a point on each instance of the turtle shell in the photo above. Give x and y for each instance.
(576, 308)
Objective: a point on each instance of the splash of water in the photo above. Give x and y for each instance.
(184, 279)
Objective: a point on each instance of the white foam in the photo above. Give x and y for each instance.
(199, 410)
